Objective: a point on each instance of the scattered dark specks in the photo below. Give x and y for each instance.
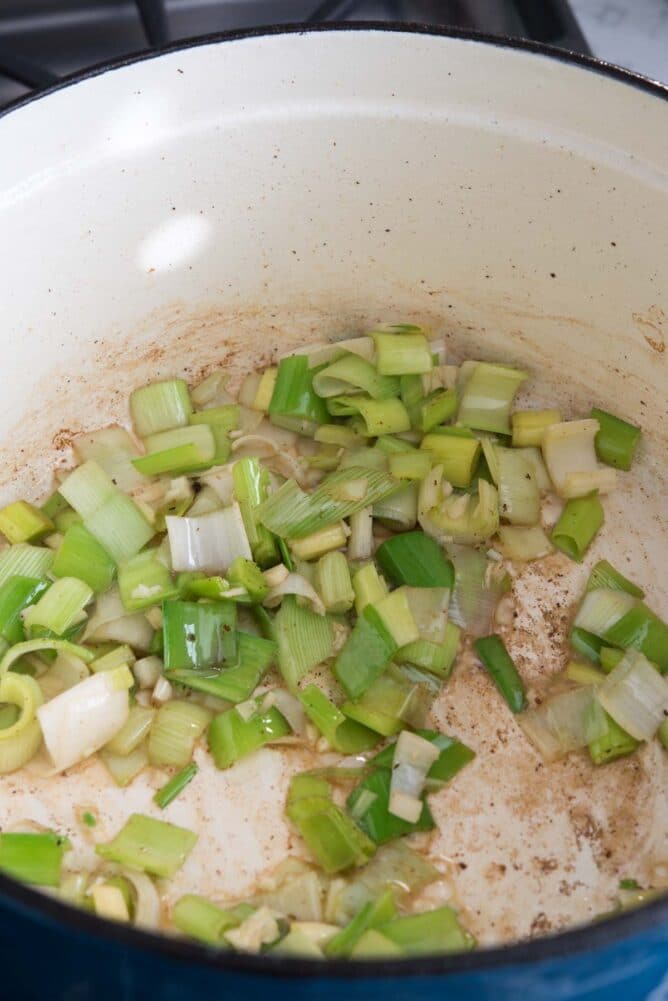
(613, 243)
(552, 274)
(179, 71)
(388, 230)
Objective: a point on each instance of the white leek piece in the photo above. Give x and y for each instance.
(323, 354)
(113, 449)
(147, 901)
(413, 757)
(429, 607)
(602, 608)
(109, 902)
(84, 718)
(294, 583)
(519, 496)
(565, 723)
(360, 543)
(211, 542)
(635, 695)
(111, 623)
(260, 929)
(570, 457)
(520, 542)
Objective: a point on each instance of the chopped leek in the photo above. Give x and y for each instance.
(457, 453)
(496, 659)
(524, 542)
(81, 555)
(565, 722)
(231, 737)
(487, 397)
(369, 917)
(175, 786)
(570, 457)
(380, 417)
(16, 595)
(616, 440)
(519, 497)
(413, 757)
(369, 587)
(199, 634)
(292, 513)
(181, 450)
(144, 580)
(84, 718)
(175, 729)
(352, 374)
(209, 542)
(577, 526)
(434, 931)
(237, 682)
(366, 653)
(621, 620)
(402, 353)
(304, 640)
(22, 522)
(439, 407)
(642, 630)
(119, 526)
(33, 858)
(467, 519)
(333, 583)
(251, 488)
(333, 838)
(21, 736)
(373, 814)
(396, 615)
(415, 559)
(411, 465)
(635, 695)
(113, 449)
(388, 703)
(160, 406)
(294, 396)
(133, 732)
(203, 920)
(152, 846)
(344, 735)
(438, 658)
(124, 768)
(603, 574)
(60, 607)
(614, 743)
(312, 547)
(373, 944)
(247, 575)
(276, 559)
(529, 426)
(24, 560)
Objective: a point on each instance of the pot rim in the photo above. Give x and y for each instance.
(39, 906)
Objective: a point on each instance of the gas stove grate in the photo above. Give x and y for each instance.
(44, 41)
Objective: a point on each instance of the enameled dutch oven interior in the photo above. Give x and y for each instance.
(223, 203)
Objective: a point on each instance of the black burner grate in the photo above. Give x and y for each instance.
(43, 40)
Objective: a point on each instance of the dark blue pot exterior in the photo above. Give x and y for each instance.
(52, 953)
